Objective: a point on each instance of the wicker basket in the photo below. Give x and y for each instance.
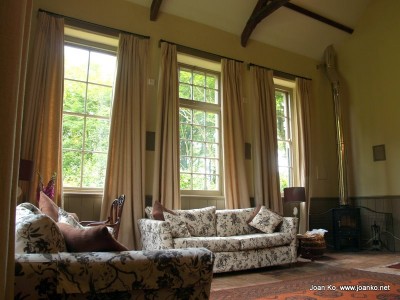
(312, 246)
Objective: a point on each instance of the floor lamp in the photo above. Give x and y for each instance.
(295, 196)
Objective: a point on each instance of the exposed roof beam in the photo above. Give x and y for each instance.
(262, 9)
(154, 9)
(318, 17)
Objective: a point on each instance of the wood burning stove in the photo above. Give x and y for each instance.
(346, 228)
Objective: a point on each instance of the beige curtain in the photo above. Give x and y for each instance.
(166, 187)
(42, 123)
(126, 155)
(265, 144)
(301, 137)
(15, 22)
(236, 189)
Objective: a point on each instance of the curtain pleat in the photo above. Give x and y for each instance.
(14, 32)
(265, 144)
(236, 188)
(42, 122)
(126, 155)
(301, 133)
(166, 188)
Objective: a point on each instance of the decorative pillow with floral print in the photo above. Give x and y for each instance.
(266, 220)
(199, 221)
(177, 225)
(36, 233)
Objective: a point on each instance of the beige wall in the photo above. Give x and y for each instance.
(130, 17)
(369, 63)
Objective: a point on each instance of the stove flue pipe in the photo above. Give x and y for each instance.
(333, 76)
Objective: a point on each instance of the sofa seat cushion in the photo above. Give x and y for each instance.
(263, 240)
(213, 243)
(232, 222)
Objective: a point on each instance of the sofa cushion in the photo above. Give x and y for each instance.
(67, 218)
(200, 221)
(96, 239)
(231, 222)
(36, 232)
(177, 225)
(263, 240)
(158, 211)
(266, 220)
(214, 243)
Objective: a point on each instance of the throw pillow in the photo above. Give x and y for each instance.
(48, 207)
(37, 233)
(266, 220)
(200, 221)
(158, 211)
(64, 217)
(93, 239)
(177, 225)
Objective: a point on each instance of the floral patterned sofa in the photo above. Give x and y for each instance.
(239, 238)
(44, 269)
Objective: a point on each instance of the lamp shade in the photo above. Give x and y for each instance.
(294, 194)
(25, 169)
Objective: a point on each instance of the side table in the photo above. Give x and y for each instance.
(311, 246)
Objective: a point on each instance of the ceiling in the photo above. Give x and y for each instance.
(284, 28)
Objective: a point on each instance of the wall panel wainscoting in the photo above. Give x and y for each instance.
(86, 206)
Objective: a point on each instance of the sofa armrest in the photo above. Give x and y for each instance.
(36, 276)
(289, 225)
(140, 271)
(155, 235)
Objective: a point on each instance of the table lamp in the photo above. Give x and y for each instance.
(25, 172)
(294, 195)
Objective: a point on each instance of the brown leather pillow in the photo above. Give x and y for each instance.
(158, 211)
(48, 207)
(93, 239)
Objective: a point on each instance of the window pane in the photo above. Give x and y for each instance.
(72, 161)
(102, 68)
(211, 96)
(212, 150)
(212, 134)
(199, 79)
(94, 170)
(185, 181)
(198, 149)
(198, 133)
(99, 100)
(74, 96)
(212, 119)
(185, 115)
(284, 177)
(185, 91)
(76, 63)
(199, 182)
(212, 166)
(73, 132)
(186, 148)
(185, 132)
(212, 81)
(185, 76)
(282, 128)
(97, 134)
(212, 182)
(199, 165)
(186, 164)
(198, 93)
(199, 117)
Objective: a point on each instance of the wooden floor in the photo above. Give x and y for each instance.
(365, 260)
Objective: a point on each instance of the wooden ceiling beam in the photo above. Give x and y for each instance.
(154, 9)
(262, 9)
(318, 17)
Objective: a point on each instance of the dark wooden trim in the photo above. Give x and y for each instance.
(318, 17)
(262, 9)
(154, 9)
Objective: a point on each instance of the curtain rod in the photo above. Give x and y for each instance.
(92, 26)
(197, 52)
(279, 73)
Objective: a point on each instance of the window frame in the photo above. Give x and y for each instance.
(207, 107)
(99, 48)
(287, 87)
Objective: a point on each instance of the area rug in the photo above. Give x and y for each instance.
(341, 285)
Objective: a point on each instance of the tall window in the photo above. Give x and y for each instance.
(88, 90)
(200, 131)
(284, 132)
